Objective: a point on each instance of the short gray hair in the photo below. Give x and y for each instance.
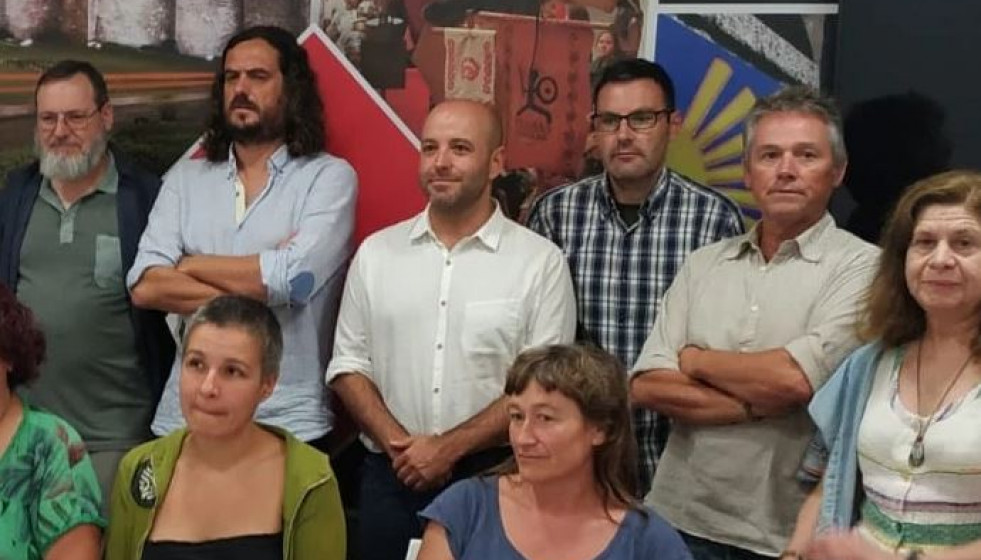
(800, 99)
(249, 315)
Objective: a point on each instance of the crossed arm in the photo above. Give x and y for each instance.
(718, 387)
(197, 279)
(700, 385)
(164, 277)
(712, 387)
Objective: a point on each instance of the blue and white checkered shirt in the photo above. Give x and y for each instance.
(621, 271)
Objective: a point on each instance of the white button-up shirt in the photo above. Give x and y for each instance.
(435, 330)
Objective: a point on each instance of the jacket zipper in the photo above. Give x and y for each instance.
(288, 533)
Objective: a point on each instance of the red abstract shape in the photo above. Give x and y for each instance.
(364, 130)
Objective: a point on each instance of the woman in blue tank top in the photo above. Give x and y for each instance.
(568, 492)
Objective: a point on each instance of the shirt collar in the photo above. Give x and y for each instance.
(109, 182)
(489, 234)
(810, 244)
(648, 208)
(276, 163)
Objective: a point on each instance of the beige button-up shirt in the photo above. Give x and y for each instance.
(736, 484)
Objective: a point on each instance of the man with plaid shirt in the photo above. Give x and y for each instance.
(627, 232)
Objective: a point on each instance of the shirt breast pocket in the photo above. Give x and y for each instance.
(490, 331)
(108, 270)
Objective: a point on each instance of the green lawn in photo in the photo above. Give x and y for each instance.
(155, 132)
(109, 58)
(155, 139)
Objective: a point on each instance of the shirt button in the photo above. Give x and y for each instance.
(448, 263)
(436, 390)
(439, 346)
(763, 269)
(443, 303)
(754, 308)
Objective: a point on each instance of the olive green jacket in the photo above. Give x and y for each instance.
(313, 520)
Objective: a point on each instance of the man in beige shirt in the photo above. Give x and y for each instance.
(749, 329)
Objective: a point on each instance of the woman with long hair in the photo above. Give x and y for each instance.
(899, 419)
(568, 492)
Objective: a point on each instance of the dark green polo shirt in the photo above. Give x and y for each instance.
(71, 277)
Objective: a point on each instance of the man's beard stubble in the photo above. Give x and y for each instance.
(270, 127)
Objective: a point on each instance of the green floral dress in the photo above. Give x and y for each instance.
(47, 486)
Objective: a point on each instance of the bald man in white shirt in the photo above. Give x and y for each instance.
(435, 310)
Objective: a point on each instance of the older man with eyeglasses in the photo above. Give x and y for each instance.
(70, 223)
(627, 231)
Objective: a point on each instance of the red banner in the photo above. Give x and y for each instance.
(364, 130)
(542, 89)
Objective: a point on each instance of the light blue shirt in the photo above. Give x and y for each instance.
(308, 201)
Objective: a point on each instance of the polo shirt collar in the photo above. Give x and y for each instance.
(489, 234)
(648, 208)
(109, 182)
(811, 244)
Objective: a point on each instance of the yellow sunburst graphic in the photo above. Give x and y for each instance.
(710, 152)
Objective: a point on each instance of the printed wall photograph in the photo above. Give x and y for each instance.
(157, 55)
(533, 59)
(384, 63)
(722, 62)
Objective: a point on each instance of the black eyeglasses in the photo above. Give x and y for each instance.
(75, 120)
(645, 119)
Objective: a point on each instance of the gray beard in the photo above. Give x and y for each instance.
(71, 167)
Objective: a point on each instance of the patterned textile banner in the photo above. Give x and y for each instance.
(469, 68)
(542, 89)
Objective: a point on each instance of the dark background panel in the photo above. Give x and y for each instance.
(894, 46)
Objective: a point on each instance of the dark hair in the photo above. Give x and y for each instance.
(249, 315)
(21, 341)
(304, 133)
(67, 69)
(630, 69)
(891, 313)
(597, 383)
(800, 99)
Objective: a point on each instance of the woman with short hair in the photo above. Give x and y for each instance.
(226, 486)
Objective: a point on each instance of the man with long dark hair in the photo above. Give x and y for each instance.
(267, 215)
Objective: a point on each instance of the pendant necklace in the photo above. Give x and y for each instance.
(917, 455)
